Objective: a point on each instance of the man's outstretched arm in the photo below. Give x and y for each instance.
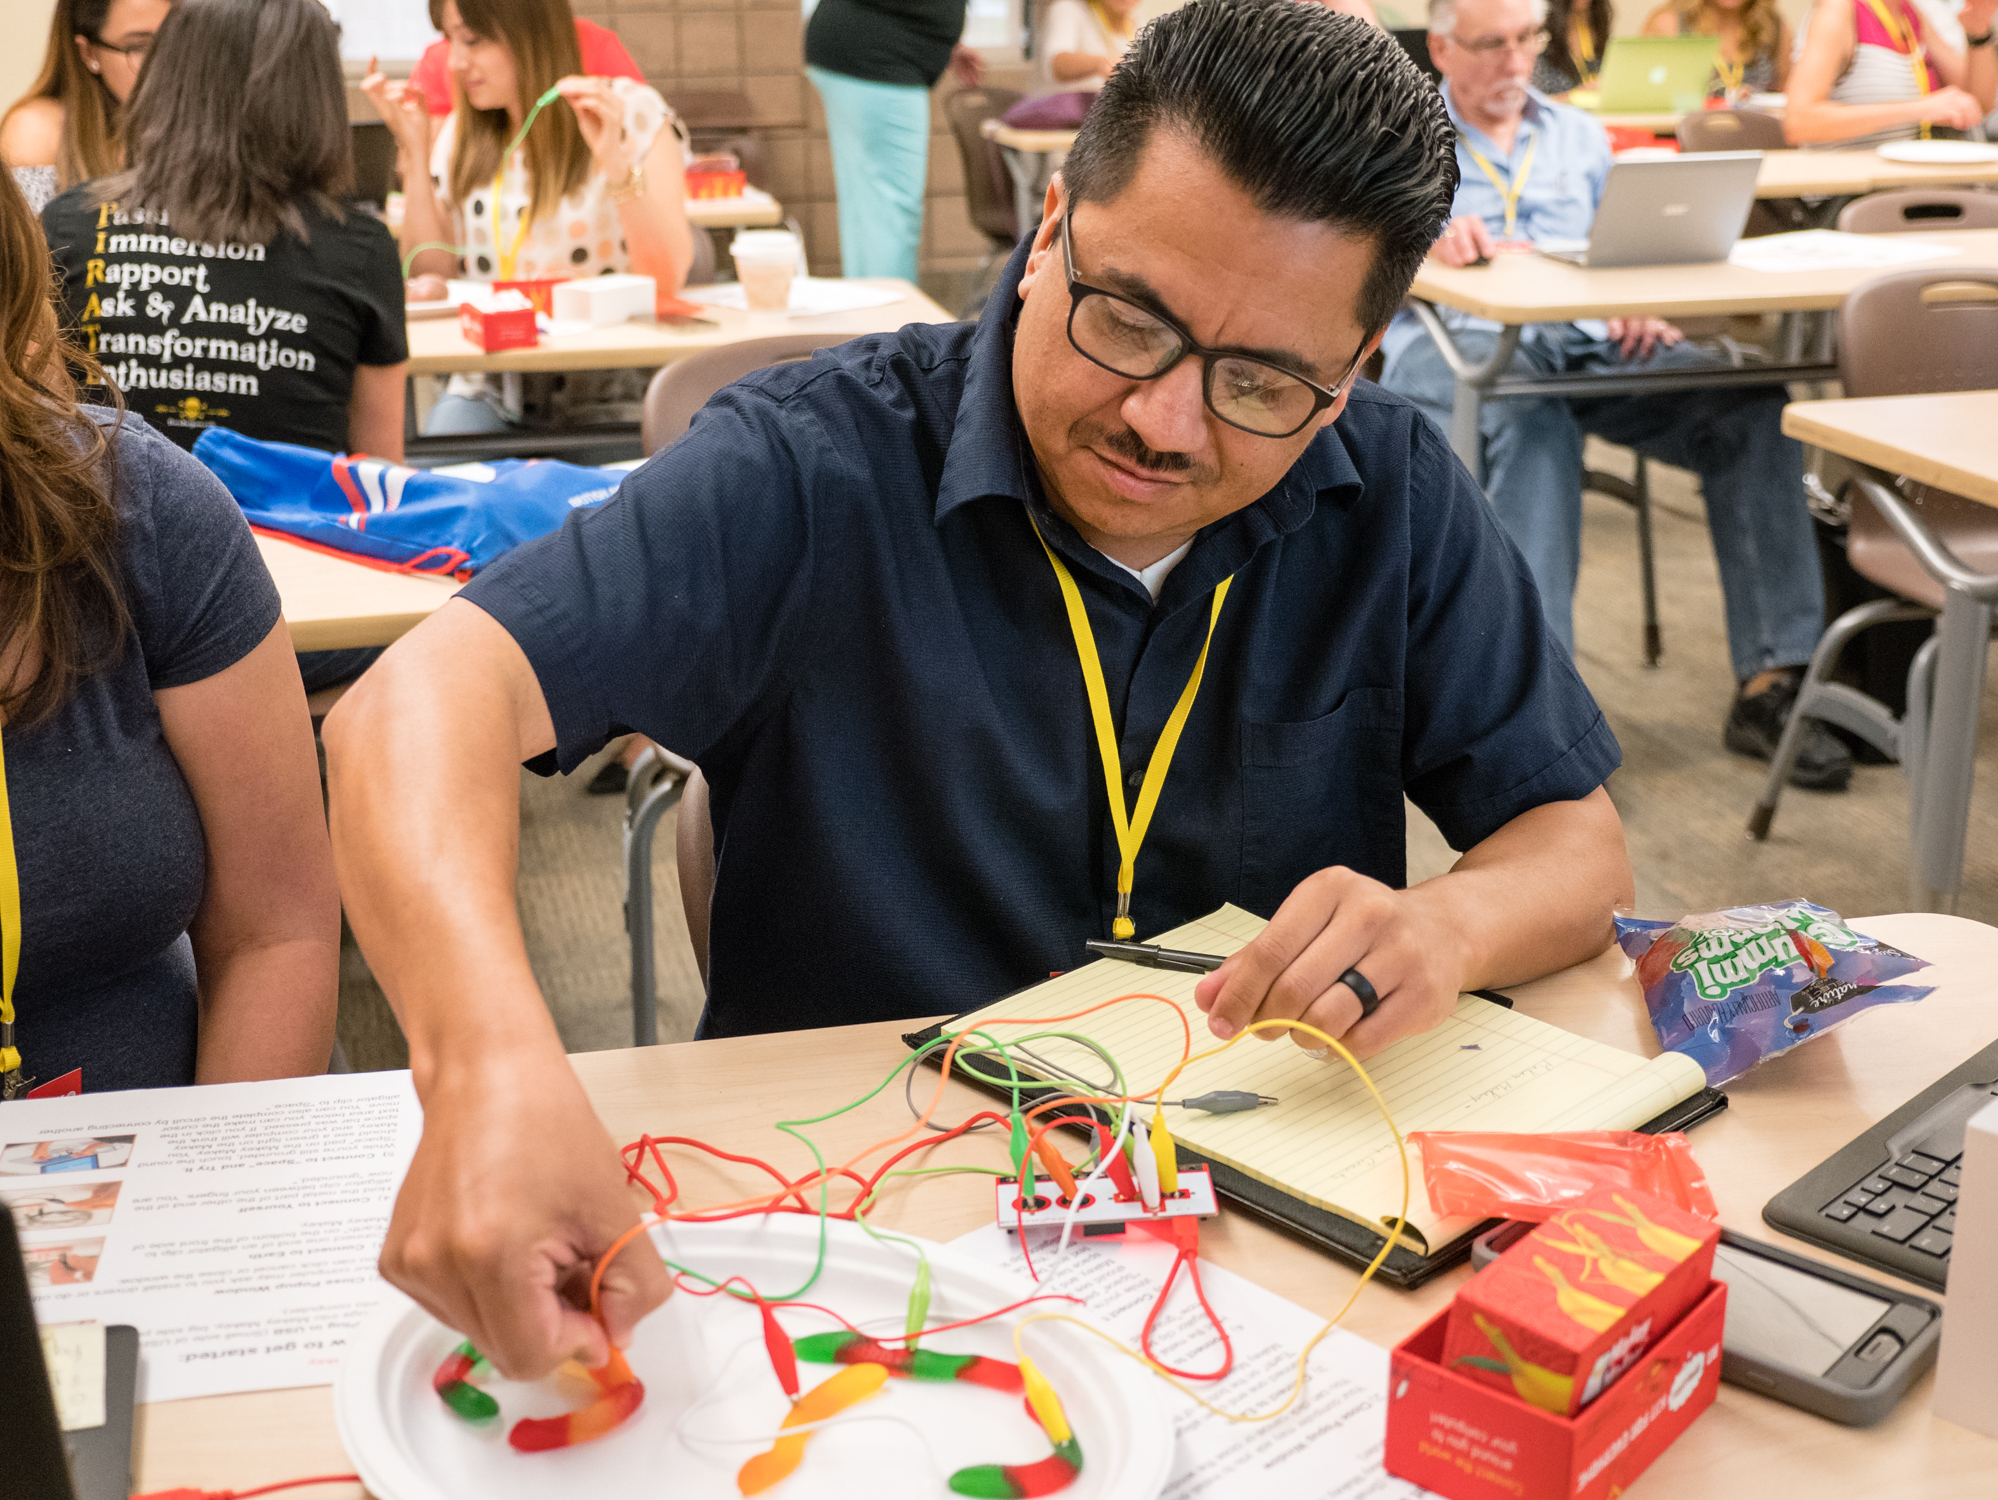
(516, 1187)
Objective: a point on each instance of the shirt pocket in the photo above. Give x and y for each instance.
(1325, 791)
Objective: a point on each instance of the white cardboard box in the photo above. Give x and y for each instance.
(599, 300)
(1967, 1369)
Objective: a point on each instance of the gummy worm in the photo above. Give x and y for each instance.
(988, 1481)
(912, 1364)
(1023, 1481)
(827, 1399)
(453, 1382)
(621, 1394)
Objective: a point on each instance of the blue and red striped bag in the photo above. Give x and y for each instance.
(411, 520)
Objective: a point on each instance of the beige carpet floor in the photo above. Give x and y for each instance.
(1683, 799)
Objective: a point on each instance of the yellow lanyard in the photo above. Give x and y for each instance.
(1730, 75)
(507, 257)
(1130, 830)
(1508, 196)
(1904, 32)
(1585, 51)
(10, 941)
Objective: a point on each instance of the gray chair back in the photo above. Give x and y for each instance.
(1730, 130)
(681, 389)
(1919, 208)
(988, 186)
(1914, 333)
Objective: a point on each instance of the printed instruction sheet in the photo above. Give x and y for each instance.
(236, 1226)
(1326, 1447)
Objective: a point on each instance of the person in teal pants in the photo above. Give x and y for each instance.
(874, 63)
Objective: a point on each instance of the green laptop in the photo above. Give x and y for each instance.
(1646, 75)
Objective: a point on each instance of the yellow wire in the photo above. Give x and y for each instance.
(1304, 1355)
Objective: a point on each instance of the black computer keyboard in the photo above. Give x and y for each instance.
(1888, 1198)
(1911, 1203)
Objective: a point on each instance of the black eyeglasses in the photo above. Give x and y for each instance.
(131, 51)
(1120, 336)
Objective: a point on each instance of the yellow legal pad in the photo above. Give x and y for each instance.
(1324, 1142)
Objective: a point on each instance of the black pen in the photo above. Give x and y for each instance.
(1154, 957)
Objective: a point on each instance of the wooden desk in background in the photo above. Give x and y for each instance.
(1950, 441)
(1516, 290)
(754, 209)
(1837, 174)
(332, 604)
(1784, 1119)
(436, 347)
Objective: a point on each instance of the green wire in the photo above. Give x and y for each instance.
(1016, 1082)
(512, 146)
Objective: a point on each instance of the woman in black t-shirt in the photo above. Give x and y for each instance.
(222, 280)
(168, 878)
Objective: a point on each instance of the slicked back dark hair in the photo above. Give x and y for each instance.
(1316, 115)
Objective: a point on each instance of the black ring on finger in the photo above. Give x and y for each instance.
(1363, 992)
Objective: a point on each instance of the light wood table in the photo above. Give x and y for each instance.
(332, 604)
(1517, 290)
(1950, 441)
(749, 210)
(1832, 174)
(436, 347)
(1015, 139)
(1784, 1119)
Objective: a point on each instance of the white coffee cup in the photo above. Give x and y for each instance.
(765, 262)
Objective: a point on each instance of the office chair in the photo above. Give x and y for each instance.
(660, 779)
(1909, 333)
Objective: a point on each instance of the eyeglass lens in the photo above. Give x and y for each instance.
(1126, 339)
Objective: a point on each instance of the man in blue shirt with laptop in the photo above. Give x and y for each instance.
(1532, 171)
(1125, 602)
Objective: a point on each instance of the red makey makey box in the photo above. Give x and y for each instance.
(1458, 1437)
(502, 320)
(1565, 1311)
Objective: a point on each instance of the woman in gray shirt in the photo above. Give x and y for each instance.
(168, 882)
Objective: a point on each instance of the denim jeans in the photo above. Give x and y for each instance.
(1751, 474)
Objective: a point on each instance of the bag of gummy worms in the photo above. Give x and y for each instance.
(1732, 988)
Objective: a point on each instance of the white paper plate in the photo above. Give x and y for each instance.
(407, 1445)
(1939, 153)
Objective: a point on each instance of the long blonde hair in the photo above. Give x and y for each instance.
(541, 35)
(1761, 25)
(90, 146)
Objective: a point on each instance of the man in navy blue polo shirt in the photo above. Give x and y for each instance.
(1126, 602)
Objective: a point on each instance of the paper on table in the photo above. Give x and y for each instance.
(1830, 250)
(74, 1353)
(241, 1240)
(1485, 1068)
(1327, 1447)
(811, 296)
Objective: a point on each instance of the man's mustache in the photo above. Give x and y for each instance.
(1127, 445)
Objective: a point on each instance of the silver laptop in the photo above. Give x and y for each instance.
(1672, 211)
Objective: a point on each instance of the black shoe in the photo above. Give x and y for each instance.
(1755, 727)
(612, 778)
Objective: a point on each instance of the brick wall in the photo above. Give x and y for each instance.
(756, 48)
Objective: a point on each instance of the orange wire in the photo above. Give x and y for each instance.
(825, 1175)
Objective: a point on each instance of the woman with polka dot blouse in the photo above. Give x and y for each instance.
(596, 187)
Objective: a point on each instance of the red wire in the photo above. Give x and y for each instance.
(295, 1484)
(1192, 1264)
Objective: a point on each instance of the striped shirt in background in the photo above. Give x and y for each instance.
(1881, 71)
